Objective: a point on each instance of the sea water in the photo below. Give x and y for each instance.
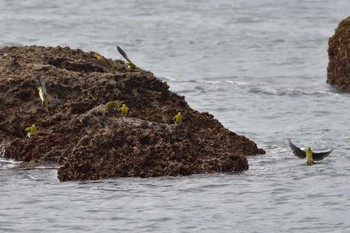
(260, 67)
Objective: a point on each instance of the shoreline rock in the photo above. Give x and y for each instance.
(338, 71)
(87, 140)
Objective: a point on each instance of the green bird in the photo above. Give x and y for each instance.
(104, 62)
(43, 94)
(124, 109)
(113, 105)
(131, 65)
(178, 118)
(31, 130)
(308, 154)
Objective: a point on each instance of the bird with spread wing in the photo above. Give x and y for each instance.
(131, 65)
(308, 153)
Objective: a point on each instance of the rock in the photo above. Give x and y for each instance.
(89, 141)
(338, 72)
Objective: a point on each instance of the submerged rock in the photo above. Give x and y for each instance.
(338, 72)
(89, 141)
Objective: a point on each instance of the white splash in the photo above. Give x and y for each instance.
(6, 163)
(2, 149)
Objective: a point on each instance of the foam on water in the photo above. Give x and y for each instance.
(6, 163)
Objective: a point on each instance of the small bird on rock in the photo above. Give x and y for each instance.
(113, 105)
(104, 62)
(308, 154)
(31, 130)
(178, 118)
(131, 65)
(43, 95)
(124, 109)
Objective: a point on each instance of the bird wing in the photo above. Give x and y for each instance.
(123, 54)
(320, 155)
(43, 86)
(296, 151)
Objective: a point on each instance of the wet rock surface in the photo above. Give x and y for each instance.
(87, 140)
(338, 72)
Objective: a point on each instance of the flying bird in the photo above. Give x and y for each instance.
(131, 65)
(308, 153)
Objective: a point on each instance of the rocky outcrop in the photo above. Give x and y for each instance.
(88, 141)
(338, 72)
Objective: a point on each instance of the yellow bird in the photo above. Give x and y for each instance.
(99, 57)
(31, 130)
(308, 154)
(131, 65)
(104, 62)
(43, 95)
(113, 105)
(124, 109)
(178, 118)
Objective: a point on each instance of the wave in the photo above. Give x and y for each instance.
(13, 164)
(6, 163)
(252, 87)
(291, 92)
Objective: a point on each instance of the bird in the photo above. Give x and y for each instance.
(308, 153)
(178, 118)
(43, 95)
(124, 109)
(104, 62)
(113, 105)
(31, 130)
(131, 65)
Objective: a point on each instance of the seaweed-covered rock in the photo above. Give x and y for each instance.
(88, 140)
(338, 72)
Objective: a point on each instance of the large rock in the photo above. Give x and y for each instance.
(87, 140)
(339, 57)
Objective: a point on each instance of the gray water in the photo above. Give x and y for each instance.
(257, 66)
